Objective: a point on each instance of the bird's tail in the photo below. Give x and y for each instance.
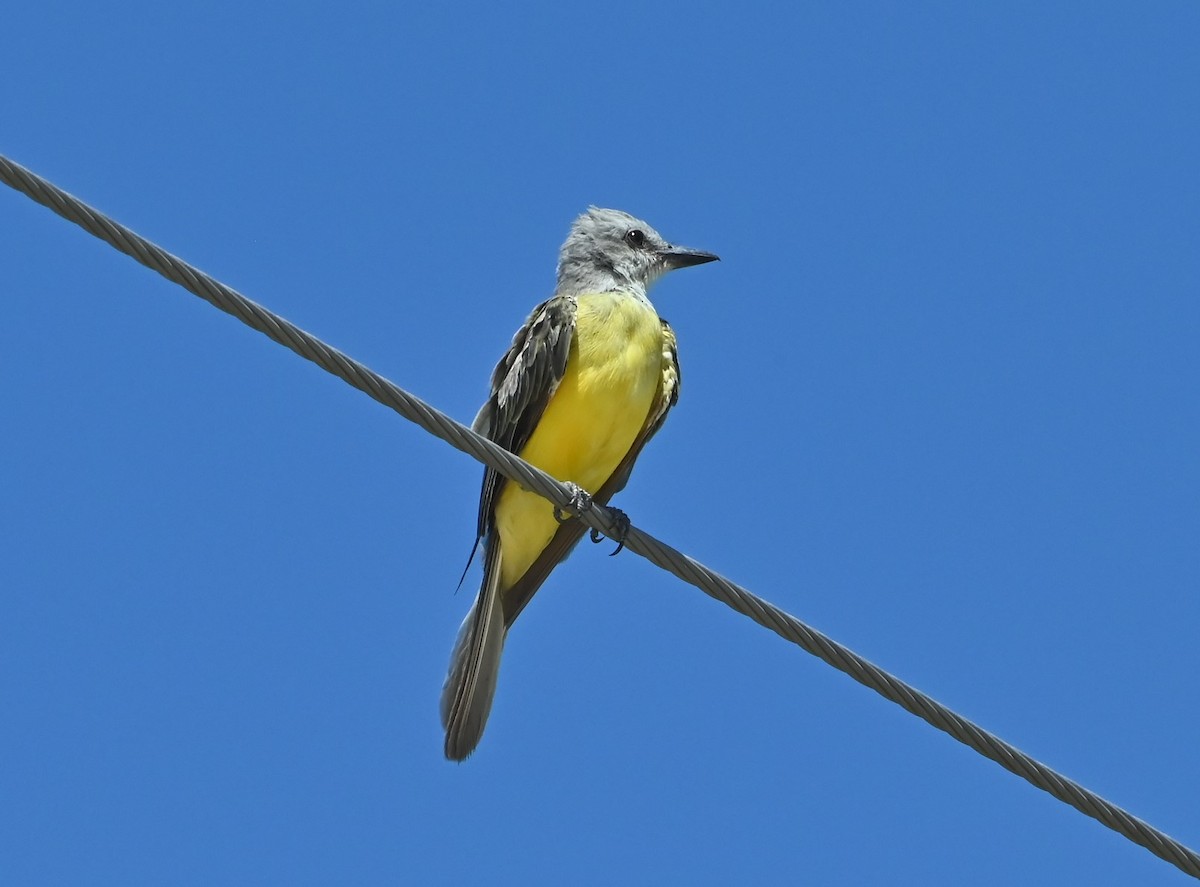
(475, 664)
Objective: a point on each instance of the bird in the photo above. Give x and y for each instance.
(588, 380)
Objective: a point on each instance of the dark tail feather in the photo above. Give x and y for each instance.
(474, 665)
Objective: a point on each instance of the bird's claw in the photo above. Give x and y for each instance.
(580, 502)
(621, 520)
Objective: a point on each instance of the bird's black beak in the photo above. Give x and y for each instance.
(681, 257)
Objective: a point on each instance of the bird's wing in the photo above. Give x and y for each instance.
(569, 533)
(522, 384)
(667, 397)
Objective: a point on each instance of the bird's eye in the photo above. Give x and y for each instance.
(636, 238)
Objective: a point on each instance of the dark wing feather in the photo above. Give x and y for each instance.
(569, 533)
(522, 384)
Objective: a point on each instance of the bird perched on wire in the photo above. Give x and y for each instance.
(587, 382)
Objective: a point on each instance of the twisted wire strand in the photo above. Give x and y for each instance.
(657, 552)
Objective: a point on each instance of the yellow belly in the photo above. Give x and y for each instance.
(613, 372)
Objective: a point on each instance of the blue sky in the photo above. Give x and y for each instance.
(939, 400)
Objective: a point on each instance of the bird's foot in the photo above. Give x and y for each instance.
(580, 502)
(621, 519)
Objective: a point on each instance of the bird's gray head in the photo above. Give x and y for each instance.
(611, 250)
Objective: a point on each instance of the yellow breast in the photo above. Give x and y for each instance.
(613, 372)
